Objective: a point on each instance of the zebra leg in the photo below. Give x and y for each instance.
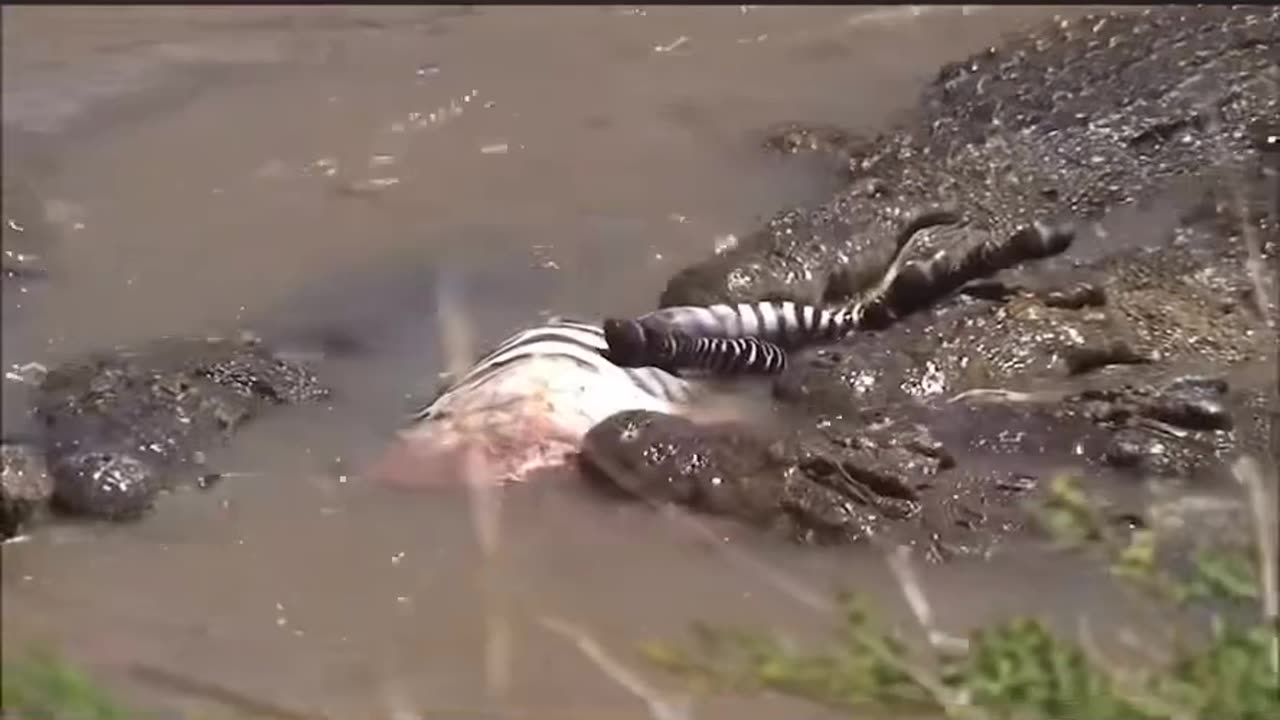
(859, 278)
(916, 284)
(783, 323)
(731, 356)
(751, 337)
(633, 343)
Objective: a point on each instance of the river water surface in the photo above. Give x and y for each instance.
(319, 171)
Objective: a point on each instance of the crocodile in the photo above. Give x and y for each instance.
(1073, 119)
(1147, 356)
(117, 427)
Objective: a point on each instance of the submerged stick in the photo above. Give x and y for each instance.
(233, 699)
(485, 502)
(659, 708)
(899, 560)
(1262, 501)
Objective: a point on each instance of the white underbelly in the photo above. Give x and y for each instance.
(529, 415)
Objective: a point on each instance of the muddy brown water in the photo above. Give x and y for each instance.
(325, 170)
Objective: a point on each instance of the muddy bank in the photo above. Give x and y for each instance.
(1141, 360)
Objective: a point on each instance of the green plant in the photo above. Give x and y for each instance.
(42, 686)
(1019, 669)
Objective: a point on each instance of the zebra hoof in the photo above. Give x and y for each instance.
(625, 340)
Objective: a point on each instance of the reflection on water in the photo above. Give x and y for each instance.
(314, 173)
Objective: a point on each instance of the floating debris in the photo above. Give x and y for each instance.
(381, 160)
(542, 255)
(454, 108)
(495, 149)
(674, 44)
(209, 480)
(326, 165)
(64, 213)
(31, 373)
(368, 186)
(678, 218)
(273, 168)
(890, 15)
(725, 243)
(1018, 483)
(428, 70)
(21, 256)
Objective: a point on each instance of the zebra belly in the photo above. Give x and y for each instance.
(528, 415)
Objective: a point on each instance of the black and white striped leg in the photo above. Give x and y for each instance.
(752, 337)
(916, 284)
(783, 323)
(633, 343)
(746, 338)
